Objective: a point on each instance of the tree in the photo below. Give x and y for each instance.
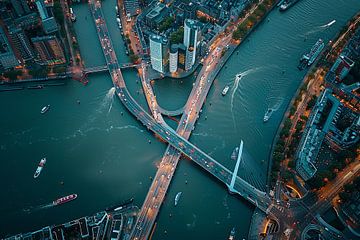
(13, 74)
(134, 58)
(178, 36)
(166, 24)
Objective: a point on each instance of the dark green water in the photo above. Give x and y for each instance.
(105, 157)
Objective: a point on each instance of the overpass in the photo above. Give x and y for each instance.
(178, 143)
(104, 68)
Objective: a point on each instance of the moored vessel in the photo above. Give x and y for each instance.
(65, 199)
(40, 167)
(268, 114)
(45, 109)
(177, 198)
(309, 58)
(225, 90)
(287, 4)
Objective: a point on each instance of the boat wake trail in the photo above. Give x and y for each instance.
(108, 99)
(320, 28)
(38, 208)
(328, 24)
(236, 86)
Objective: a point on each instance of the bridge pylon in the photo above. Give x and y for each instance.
(234, 175)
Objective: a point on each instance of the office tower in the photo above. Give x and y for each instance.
(191, 41)
(173, 58)
(159, 53)
(342, 66)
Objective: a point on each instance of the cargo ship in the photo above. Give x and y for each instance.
(287, 4)
(40, 167)
(65, 199)
(309, 58)
(225, 90)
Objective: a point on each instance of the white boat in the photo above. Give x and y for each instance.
(40, 167)
(268, 114)
(45, 109)
(118, 20)
(238, 76)
(225, 90)
(177, 197)
(116, 9)
(235, 153)
(232, 234)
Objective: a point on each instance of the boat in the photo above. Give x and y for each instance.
(177, 197)
(309, 58)
(45, 109)
(225, 90)
(238, 76)
(268, 114)
(65, 199)
(40, 167)
(72, 15)
(287, 4)
(235, 153)
(232, 234)
(116, 9)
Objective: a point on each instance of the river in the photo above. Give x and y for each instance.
(99, 151)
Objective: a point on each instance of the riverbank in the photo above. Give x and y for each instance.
(301, 98)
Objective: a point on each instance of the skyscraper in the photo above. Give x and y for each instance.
(159, 53)
(7, 56)
(173, 58)
(191, 41)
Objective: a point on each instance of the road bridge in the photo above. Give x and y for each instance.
(177, 142)
(104, 68)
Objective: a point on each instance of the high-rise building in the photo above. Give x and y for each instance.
(159, 53)
(173, 58)
(131, 7)
(21, 43)
(47, 19)
(21, 7)
(342, 66)
(191, 41)
(7, 56)
(49, 50)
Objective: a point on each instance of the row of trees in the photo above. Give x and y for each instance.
(253, 19)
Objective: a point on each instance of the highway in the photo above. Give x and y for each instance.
(176, 140)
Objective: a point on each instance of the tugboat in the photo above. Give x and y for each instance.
(45, 109)
(225, 90)
(268, 114)
(40, 167)
(177, 197)
(66, 199)
(232, 234)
